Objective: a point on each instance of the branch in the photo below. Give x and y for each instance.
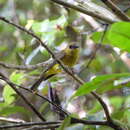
(11, 120)
(46, 99)
(84, 11)
(21, 95)
(23, 67)
(29, 124)
(117, 11)
(73, 121)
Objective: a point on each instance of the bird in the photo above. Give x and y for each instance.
(68, 56)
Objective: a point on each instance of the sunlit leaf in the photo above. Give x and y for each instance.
(118, 35)
(9, 94)
(99, 81)
(49, 30)
(17, 77)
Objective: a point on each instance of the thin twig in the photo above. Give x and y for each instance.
(26, 124)
(98, 46)
(22, 96)
(117, 11)
(95, 51)
(23, 67)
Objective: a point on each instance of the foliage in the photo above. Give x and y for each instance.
(57, 26)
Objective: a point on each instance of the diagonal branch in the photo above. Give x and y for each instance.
(46, 99)
(117, 11)
(23, 67)
(84, 11)
(21, 95)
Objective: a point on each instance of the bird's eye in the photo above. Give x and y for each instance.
(70, 46)
(73, 46)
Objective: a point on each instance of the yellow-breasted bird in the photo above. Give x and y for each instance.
(68, 56)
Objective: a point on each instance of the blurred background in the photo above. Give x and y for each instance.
(59, 26)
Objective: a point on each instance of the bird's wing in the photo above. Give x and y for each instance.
(51, 63)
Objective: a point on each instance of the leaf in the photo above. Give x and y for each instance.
(2, 105)
(3, 48)
(99, 81)
(97, 36)
(117, 102)
(9, 94)
(16, 77)
(29, 24)
(96, 108)
(40, 27)
(50, 30)
(65, 123)
(117, 35)
(127, 116)
(8, 110)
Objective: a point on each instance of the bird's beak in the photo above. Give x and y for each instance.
(75, 46)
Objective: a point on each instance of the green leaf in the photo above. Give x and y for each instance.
(3, 48)
(8, 110)
(2, 105)
(118, 35)
(40, 27)
(16, 77)
(127, 116)
(118, 83)
(117, 103)
(96, 108)
(97, 36)
(118, 114)
(99, 81)
(50, 30)
(9, 94)
(62, 21)
(65, 123)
